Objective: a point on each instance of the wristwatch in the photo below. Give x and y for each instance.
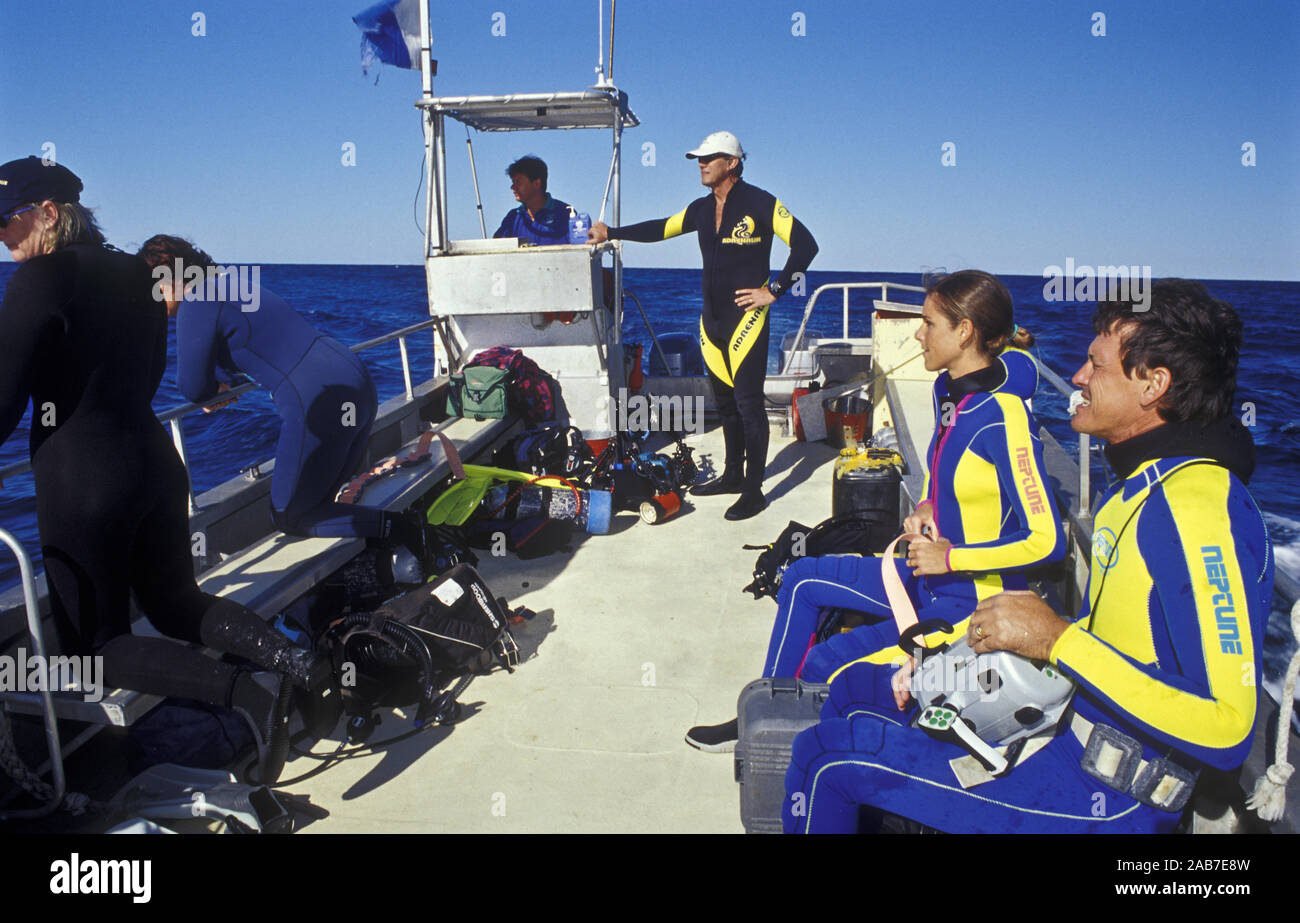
(776, 288)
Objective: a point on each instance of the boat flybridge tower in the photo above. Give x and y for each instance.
(549, 301)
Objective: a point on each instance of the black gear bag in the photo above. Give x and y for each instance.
(846, 535)
(407, 650)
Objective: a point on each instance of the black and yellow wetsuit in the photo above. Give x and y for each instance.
(736, 252)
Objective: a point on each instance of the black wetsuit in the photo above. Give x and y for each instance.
(736, 254)
(81, 335)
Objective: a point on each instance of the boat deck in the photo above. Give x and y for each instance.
(640, 634)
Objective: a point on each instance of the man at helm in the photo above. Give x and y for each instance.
(735, 224)
(540, 220)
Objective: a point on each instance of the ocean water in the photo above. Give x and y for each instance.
(355, 303)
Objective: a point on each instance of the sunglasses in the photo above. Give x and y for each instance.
(9, 216)
(709, 158)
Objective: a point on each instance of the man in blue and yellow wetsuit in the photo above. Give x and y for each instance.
(539, 220)
(735, 224)
(1167, 647)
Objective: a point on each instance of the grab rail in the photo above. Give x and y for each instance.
(52, 741)
(1085, 443)
(845, 286)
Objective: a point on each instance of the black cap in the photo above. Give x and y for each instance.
(33, 180)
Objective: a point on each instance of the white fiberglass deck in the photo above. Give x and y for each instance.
(639, 635)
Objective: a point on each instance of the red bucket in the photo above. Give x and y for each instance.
(846, 420)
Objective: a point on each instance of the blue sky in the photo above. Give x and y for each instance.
(1117, 149)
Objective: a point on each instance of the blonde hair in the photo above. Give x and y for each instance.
(75, 224)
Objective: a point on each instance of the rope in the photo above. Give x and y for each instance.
(1268, 800)
(17, 770)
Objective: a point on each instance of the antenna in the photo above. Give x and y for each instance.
(601, 81)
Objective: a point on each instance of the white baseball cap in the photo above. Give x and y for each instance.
(720, 142)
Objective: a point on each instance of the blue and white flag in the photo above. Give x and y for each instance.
(390, 32)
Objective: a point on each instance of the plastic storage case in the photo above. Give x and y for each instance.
(770, 712)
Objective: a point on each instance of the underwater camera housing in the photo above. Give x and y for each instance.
(1002, 697)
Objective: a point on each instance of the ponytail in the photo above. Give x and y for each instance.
(1020, 338)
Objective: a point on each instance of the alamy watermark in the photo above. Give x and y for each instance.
(951, 673)
(1100, 283)
(20, 672)
(660, 413)
(76, 875)
(239, 284)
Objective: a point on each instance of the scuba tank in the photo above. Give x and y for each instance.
(586, 509)
(660, 507)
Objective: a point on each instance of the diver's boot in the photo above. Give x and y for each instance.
(715, 738)
(233, 629)
(729, 483)
(733, 468)
(263, 699)
(749, 504)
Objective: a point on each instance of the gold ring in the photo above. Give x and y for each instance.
(979, 632)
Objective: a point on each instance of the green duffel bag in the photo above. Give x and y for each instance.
(478, 392)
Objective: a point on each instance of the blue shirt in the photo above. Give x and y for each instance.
(551, 226)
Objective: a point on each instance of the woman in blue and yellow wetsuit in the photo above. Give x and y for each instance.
(322, 392)
(735, 224)
(988, 509)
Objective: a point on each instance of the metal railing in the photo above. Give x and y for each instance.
(654, 338)
(1085, 475)
(845, 287)
(52, 742)
(174, 415)
(1085, 442)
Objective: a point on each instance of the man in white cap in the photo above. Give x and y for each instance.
(735, 224)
